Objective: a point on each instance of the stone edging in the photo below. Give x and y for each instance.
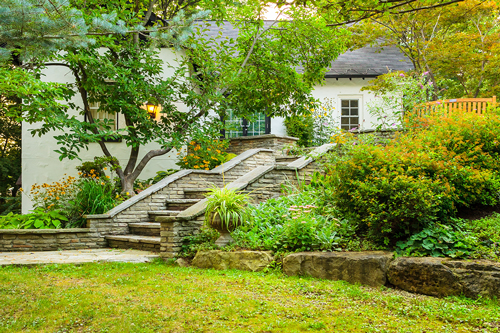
(424, 275)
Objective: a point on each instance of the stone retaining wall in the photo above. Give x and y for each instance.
(428, 275)
(49, 239)
(268, 141)
(271, 184)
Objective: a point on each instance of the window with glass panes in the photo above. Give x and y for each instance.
(260, 124)
(350, 113)
(233, 125)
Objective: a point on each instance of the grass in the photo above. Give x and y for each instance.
(155, 297)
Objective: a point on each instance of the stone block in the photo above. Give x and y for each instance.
(367, 268)
(9, 236)
(445, 277)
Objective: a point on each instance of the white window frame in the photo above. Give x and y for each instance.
(94, 110)
(359, 98)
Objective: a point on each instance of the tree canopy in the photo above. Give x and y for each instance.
(457, 46)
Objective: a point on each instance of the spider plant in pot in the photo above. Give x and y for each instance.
(226, 209)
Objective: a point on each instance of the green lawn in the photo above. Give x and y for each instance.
(155, 297)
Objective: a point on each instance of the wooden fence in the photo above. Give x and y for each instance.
(449, 106)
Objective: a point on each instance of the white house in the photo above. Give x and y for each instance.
(343, 83)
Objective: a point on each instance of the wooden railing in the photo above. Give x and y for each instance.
(449, 106)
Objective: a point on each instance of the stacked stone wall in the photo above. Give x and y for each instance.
(272, 183)
(41, 240)
(269, 141)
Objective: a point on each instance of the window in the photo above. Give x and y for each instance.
(237, 127)
(102, 115)
(350, 114)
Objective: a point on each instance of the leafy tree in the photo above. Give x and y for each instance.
(122, 74)
(456, 46)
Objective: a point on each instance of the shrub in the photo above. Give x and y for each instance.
(302, 128)
(96, 167)
(10, 204)
(204, 154)
(425, 175)
(90, 194)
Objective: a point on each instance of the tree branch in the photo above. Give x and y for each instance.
(389, 10)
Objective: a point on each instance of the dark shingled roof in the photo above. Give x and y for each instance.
(364, 62)
(369, 62)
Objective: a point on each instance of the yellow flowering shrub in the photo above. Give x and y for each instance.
(54, 196)
(204, 154)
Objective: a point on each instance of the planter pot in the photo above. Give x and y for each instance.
(224, 230)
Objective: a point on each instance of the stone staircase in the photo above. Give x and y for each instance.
(158, 218)
(146, 235)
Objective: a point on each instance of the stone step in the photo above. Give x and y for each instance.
(145, 228)
(195, 193)
(154, 213)
(138, 242)
(180, 204)
(286, 158)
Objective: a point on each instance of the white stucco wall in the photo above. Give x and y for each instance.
(41, 164)
(345, 88)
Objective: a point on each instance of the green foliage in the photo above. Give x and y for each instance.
(437, 241)
(38, 219)
(227, 204)
(486, 232)
(75, 197)
(203, 241)
(96, 167)
(10, 204)
(162, 174)
(301, 127)
(94, 197)
(396, 95)
(293, 223)
(10, 148)
(421, 177)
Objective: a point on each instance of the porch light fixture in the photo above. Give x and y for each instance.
(152, 110)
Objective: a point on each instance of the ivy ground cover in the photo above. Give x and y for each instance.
(156, 297)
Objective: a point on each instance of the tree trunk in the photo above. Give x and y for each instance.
(127, 183)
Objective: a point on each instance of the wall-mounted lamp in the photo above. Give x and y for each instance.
(152, 110)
